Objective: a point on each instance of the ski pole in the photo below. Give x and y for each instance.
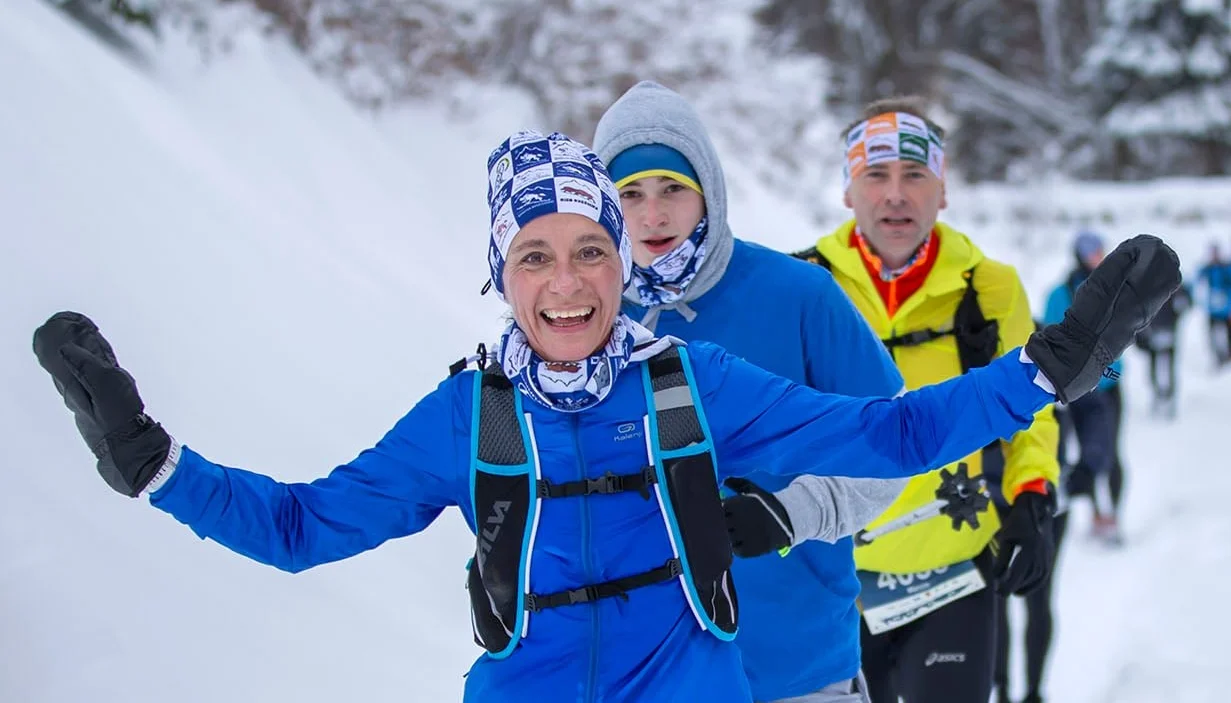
(960, 497)
(914, 517)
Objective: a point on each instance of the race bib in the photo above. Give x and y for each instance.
(892, 600)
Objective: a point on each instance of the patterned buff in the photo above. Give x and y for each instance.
(531, 175)
(664, 281)
(887, 274)
(892, 136)
(570, 386)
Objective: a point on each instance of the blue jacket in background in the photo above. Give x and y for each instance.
(1058, 303)
(799, 627)
(647, 647)
(1217, 280)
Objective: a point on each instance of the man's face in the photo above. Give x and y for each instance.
(1093, 259)
(896, 204)
(660, 214)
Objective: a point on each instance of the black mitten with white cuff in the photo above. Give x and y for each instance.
(135, 454)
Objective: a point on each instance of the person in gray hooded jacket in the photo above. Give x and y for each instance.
(799, 635)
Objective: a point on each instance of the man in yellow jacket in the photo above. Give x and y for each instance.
(930, 590)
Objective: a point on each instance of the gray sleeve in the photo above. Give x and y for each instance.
(829, 508)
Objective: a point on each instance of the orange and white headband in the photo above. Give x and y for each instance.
(892, 136)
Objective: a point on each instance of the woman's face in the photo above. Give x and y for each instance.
(563, 278)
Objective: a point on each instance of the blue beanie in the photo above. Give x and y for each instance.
(530, 175)
(646, 160)
(1087, 244)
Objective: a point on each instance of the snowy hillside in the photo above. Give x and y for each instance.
(283, 282)
(284, 278)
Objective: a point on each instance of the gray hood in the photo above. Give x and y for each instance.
(652, 114)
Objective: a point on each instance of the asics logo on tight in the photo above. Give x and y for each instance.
(945, 658)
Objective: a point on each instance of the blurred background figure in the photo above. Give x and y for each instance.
(1215, 278)
(1160, 341)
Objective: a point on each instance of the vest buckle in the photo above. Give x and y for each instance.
(607, 483)
(583, 595)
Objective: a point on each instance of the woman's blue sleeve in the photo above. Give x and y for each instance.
(394, 489)
(760, 421)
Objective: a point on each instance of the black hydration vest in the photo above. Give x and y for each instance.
(507, 489)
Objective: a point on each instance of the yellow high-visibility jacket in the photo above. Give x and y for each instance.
(1029, 455)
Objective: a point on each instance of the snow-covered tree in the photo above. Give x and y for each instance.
(1160, 76)
(1000, 71)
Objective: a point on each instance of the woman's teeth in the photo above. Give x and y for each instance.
(569, 316)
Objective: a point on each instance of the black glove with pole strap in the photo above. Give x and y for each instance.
(132, 450)
(1027, 543)
(757, 522)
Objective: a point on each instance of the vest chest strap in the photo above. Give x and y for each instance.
(607, 484)
(608, 589)
(911, 339)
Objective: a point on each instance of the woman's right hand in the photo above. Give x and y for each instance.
(1118, 300)
(132, 450)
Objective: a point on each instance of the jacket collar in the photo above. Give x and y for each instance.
(957, 254)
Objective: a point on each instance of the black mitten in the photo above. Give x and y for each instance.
(1119, 299)
(130, 447)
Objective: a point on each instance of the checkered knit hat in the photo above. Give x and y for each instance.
(531, 175)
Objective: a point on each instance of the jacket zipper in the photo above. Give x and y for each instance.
(587, 564)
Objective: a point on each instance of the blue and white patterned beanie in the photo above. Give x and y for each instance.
(531, 175)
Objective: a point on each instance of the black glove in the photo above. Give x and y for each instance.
(130, 447)
(756, 521)
(1119, 299)
(1027, 544)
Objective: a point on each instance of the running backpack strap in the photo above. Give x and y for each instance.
(978, 339)
(912, 339)
(812, 256)
(688, 491)
(607, 484)
(503, 492)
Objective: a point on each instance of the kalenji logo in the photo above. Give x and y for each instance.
(628, 430)
(945, 658)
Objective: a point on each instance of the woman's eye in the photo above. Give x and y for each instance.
(591, 254)
(534, 258)
(629, 194)
(674, 188)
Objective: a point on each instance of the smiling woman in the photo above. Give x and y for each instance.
(602, 562)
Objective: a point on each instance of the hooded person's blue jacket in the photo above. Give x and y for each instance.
(799, 624)
(648, 647)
